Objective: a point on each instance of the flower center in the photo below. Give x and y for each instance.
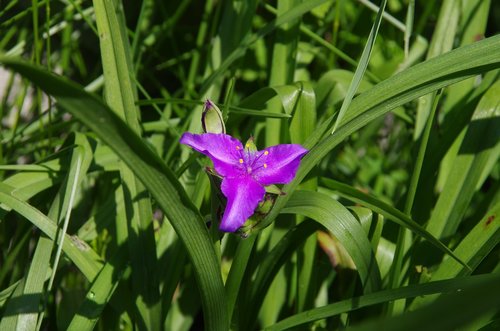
(249, 161)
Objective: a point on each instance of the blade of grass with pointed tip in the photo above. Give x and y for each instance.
(361, 68)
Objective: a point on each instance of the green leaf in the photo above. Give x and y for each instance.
(240, 50)
(99, 293)
(269, 267)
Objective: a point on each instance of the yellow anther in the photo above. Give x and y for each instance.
(241, 160)
(266, 152)
(265, 165)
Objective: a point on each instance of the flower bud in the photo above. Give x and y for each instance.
(211, 118)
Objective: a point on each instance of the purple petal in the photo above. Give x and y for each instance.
(222, 149)
(278, 164)
(243, 195)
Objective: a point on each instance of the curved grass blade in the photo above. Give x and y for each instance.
(155, 175)
(81, 156)
(344, 226)
(389, 212)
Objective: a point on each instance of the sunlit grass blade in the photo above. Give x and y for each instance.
(81, 156)
(135, 224)
(15, 303)
(442, 42)
(282, 72)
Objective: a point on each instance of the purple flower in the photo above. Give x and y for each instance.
(245, 171)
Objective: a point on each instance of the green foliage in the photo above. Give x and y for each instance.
(392, 221)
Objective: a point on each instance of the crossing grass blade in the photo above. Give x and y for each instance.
(99, 293)
(268, 268)
(62, 204)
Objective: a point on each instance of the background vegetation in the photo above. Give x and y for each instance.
(391, 223)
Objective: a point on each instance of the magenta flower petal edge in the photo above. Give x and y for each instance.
(245, 171)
